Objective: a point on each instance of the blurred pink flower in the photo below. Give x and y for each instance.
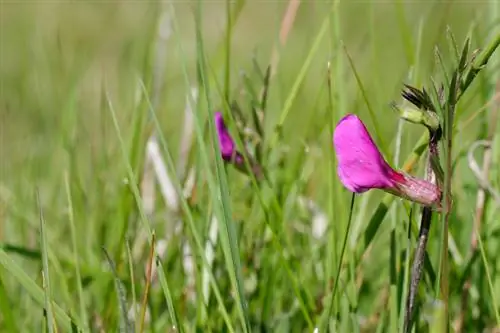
(226, 142)
(362, 167)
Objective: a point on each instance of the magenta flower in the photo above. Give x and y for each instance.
(226, 142)
(228, 149)
(362, 167)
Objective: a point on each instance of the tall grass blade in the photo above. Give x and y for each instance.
(489, 278)
(298, 81)
(45, 263)
(368, 105)
(340, 262)
(79, 288)
(219, 187)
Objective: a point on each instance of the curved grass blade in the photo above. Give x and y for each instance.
(36, 292)
(6, 307)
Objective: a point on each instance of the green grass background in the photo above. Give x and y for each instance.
(63, 63)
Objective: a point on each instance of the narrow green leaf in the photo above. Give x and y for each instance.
(79, 288)
(45, 264)
(465, 53)
(298, 81)
(6, 307)
(373, 117)
(134, 187)
(223, 207)
(488, 277)
(35, 291)
(452, 43)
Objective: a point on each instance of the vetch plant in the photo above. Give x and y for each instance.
(226, 142)
(362, 167)
(228, 150)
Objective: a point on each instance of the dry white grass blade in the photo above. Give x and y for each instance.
(187, 191)
(163, 34)
(319, 218)
(188, 264)
(148, 193)
(210, 254)
(161, 249)
(187, 133)
(136, 308)
(483, 182)
(148, 190)
(167, 188)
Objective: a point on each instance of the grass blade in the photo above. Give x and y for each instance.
(368, 105)
(35, 291)
(488, 276)
(125, 326)
(341, 259)
(136, 193)
(227, 232)
(6, 308)
(79, 288)
(45, 263)
(298, 81)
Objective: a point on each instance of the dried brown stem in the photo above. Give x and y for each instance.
(149, 271)
(419, 259)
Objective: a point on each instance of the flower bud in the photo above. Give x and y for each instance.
(427, 118)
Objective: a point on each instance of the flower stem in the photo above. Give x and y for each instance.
(425, 224)
(418, 265)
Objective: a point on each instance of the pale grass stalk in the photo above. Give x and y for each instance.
(485, 187)
(286, 26)
(163, 35)
(167, 187)
(147, 186)
(148, 190)
(483, 182)
(170, 196)
(210, 255)
(187, 191)
(189, 265)
(161, 249)
(187, 134)
(135, 309)
(319, 218)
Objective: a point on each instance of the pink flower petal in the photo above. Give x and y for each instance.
(360, 164)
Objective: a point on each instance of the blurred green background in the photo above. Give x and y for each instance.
(59, 59)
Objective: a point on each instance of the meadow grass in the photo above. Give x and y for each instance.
(117, 212)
